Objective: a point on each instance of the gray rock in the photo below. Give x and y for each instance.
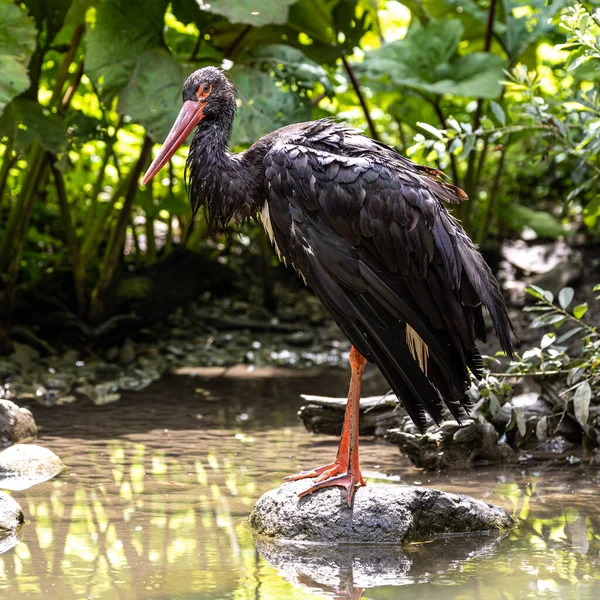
(24, 465)
(10, 540)
(452, 445)
(16, 424)
(345, 567)
(381, 514)
(11, 516)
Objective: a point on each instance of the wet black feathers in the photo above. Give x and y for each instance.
(369, 233)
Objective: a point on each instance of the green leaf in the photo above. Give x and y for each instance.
(521, 422)
(498, 113)
(27, 121)
(521, 33)
(428, 60)
(542, 222)
(123, 31)
(469, 144)
(263, 105)
(289, 64)
(569, 334)
(591, 212)
(251, 12)
(541, 429)
(434, 131)
(565, 297)
(547, 340)
(152, 97)
(17, 44)
(581, 402)
(580, 60)
(545, 320)
(494, 405)
(580, 310)
(454, 124)
(536, 291)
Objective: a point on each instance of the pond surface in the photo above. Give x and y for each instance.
(158, 487)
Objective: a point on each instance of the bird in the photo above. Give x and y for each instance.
(369, 232)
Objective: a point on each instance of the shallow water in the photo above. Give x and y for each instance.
(158, 487)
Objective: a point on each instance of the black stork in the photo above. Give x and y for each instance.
(368, 231)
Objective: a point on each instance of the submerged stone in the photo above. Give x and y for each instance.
(11, 517)
(24, 465)
(16, 424)
(381, 514)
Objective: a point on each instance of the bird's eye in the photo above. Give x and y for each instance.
(204, 90)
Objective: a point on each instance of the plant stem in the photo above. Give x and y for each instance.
(7, 162)
(13, 241)
(99, 224)
(361, 98)
(470, 183)
(92, 210)
(490, 206)
(237, 41)
(71, 239)
(136, 241)
(115, 243)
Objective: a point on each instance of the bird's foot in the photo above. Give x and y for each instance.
(333, 475)
(310, 474)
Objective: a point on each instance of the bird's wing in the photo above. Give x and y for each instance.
(369, 233)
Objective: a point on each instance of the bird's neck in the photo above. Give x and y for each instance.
(227, 186)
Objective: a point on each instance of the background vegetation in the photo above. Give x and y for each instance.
(501, 94)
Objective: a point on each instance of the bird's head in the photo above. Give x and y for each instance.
(208, 96)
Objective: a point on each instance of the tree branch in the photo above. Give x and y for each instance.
(361, 98)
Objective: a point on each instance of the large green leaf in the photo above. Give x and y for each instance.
(152, 97)
(122, 32)
(289, 64)
(543, 223)
(477, 74)
(523, 31)
(427, 60)
(17, 44)
(251, 12)
(468, 11)
(27, 120)
(263, 106)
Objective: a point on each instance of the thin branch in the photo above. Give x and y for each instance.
(361, 98)
(315, 101)
(489, 209)
(470, 182)
(196, 47)
(237, 41)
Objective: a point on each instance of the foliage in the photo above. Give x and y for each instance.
(503, 95)
(566, 357)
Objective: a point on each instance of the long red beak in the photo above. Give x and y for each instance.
(190, 115)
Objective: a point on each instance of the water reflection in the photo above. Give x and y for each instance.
(160, 510)
(345, 571)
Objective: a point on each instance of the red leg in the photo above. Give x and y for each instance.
(345, 470)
